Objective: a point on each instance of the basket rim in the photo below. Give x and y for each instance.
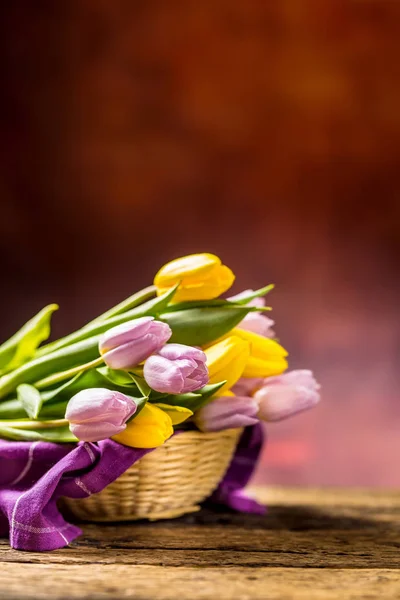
(195, 435)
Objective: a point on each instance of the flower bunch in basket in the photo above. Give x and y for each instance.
(174, 355)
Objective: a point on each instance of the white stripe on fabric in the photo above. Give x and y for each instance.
(13, 520)
(16, 524)
(32, 529)
(80, 484)
(28, 464)
(89, 451)
(63, 536)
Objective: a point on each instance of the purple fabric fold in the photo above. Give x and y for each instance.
(230, 491)
(34, 475)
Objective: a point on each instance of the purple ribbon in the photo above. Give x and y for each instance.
(230, 490)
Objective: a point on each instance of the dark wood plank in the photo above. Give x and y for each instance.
(41, 582)
(312, 544)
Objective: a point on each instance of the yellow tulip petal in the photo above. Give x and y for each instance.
(258, 367)
(178, 414)
(189, 293)
(200, 277)
(221, 354)
(151, 428)
(193, 265)
(226, 360)
(141, 437)
(212, 285)
(260, 346)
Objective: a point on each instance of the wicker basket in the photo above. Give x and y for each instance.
(166, 483)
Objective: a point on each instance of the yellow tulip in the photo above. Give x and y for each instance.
(267, 357)
(178, 414)
(200, 277)
(151, 428)
(226, 360)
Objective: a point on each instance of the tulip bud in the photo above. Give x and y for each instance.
(254, 321)
(226, 360)
(127, 345)
(151, 428)
(200, 277)
(287, 395)
(97, 413)
(176, 369)
(227, 412)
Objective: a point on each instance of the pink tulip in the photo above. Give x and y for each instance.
(176, 369)
(127, 345)
(254, 321)
(286, 395)
(97, 413)
(227, 412)
(247, 386)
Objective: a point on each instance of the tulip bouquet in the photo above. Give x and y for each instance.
(173, 356)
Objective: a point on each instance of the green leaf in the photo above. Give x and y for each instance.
(22, 345)
(200, 326)
(30, 398)
(12, 409)
(54, 410)
(93, 331)
(56, 401)
(199, 304)
(131, 302)
(61, 395)
(193, 400)
(208, 391)
(142, 385)
(50, 434)
(65, 389)
(66, 358)
(226, 304)
(255, 294)
(116, 376)
(95, 378)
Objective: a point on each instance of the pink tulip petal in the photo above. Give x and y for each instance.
(163, 375)
(175, 351)
(186, 366)
(161, 331)
(259, 324)
(279, 402)
(227, 412)
(124, 333)
(88, 405)
(94, 432)
(133, 353)
(246, 386)
(97, 413)
(176, 369)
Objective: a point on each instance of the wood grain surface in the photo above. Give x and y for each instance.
(313, 544)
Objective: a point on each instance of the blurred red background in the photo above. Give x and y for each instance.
(266, 132)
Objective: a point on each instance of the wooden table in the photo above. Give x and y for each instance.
(336, 544)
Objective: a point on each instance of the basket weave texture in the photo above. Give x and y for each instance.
(168, 482)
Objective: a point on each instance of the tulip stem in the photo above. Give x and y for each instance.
(63, 375)
(34, 424)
